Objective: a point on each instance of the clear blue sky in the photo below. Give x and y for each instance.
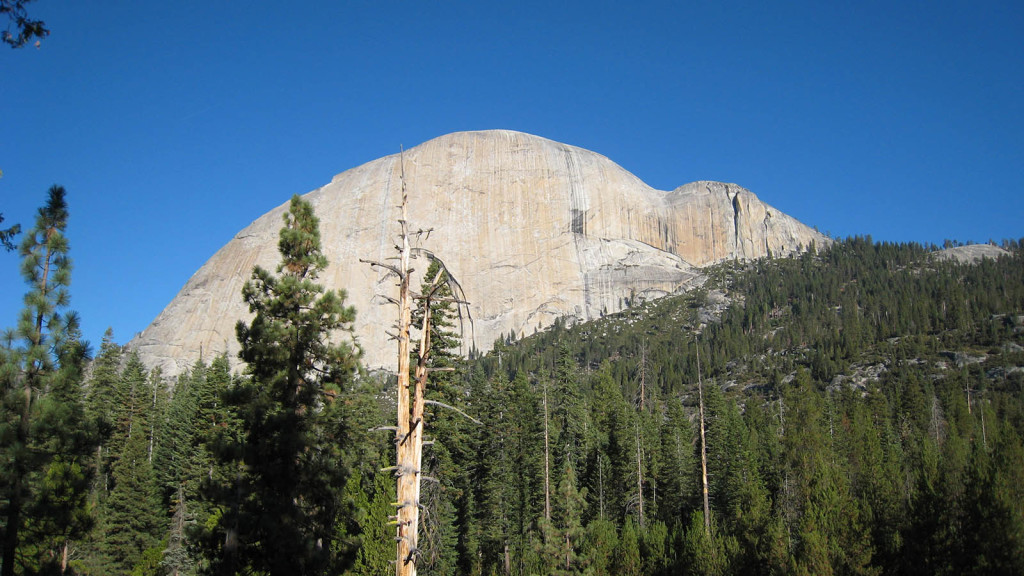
(173, 125)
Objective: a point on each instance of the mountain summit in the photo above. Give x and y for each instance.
(532, 229)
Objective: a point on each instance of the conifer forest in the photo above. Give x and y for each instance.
(857, 409)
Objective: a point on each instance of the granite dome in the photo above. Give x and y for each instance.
(532, 229)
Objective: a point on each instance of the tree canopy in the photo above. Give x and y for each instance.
(21, 29)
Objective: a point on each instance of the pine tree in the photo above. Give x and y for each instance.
(7, 235)
(106, 369)
(376, 548)
(44, 438)
(291, 475)
(445, 342)
(444, 499)
(217, 433)
(568, 413)
(600, 547)
(176, 558)
(133, 518)
(627, 553)
(509, 476)
(100, 405)
(758, 531)
(215, 488)
(677, 483)
(174, 454)
(824, 517)
(704, 549)
(654, 548)
(59, 515)
(495, 473)
(130, 516)
(568, 518)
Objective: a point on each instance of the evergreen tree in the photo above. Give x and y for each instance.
(376, 535)
(44, 438)
(564, 534)
(130, 516)
(100, 404)
(759, 533)
(994, 524)
(445, 342)
(174, 454)
(101, 387)
(58, 518)
(176, 559)
(291, 475)
(133, 519)
(495, 472)
(217, 434)
(654, 548)
(7, 235)
(704, 552)
(600, 547)
(627, 553)
(449, 496)
(568, 414)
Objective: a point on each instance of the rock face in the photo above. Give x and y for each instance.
(971, 253)
(532, 229)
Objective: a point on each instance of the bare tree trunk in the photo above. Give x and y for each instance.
(418, 425)
(936, 419)
(643, 374)
(782, 415)
(547, 468)
(407, 465)
(984, 436)
(508, 560)
(703, 452)
(152, 422)
(65, 553)
(411, 392)
(639, 477)
(568, 552)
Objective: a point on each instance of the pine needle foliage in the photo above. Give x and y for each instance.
(44, 437)
(287, 498)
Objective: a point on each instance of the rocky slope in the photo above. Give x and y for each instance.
(971, 253)
(532, 229)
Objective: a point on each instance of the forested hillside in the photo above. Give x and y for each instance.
(862, 411)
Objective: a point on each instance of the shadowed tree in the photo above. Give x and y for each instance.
(7, 235)
(20, 28)
(291, 476)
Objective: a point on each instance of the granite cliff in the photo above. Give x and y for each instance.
(532, 229)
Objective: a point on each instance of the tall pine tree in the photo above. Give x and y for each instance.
(291, 476)
(44, 439)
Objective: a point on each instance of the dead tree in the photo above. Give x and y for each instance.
(412, 391)
(642, 370)
(547, 473)
(703, 451)
(639, 476)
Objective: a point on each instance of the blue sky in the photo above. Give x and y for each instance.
(173, 125)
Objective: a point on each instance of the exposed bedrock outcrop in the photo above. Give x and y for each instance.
(532, 229)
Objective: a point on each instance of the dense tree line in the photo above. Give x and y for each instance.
(854, 403)
(862, 407)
